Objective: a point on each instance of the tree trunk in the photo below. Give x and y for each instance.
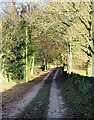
(8, 78)
(61, 59)
(32, 65)
(26, 76)
(93, 39)
(69, 68)
(93, 61)
(86, 71)
(46, 63)
(87, 67)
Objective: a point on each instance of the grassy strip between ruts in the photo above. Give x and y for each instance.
(39, 106)
(79, 92)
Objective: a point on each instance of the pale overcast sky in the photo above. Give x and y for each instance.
(42, 1)
(35, 1)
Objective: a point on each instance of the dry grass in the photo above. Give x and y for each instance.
(82, 72)
(79, 71)
(9, 85)
(6, 85)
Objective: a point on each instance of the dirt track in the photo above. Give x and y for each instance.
(44, 100)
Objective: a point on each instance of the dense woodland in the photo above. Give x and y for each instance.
(59, 33)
